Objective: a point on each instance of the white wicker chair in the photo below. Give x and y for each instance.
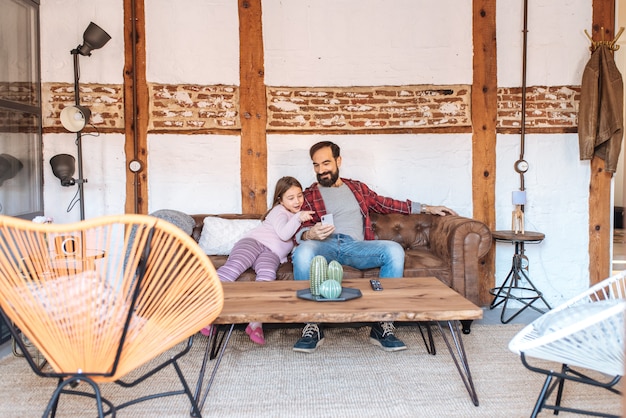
(585, 332)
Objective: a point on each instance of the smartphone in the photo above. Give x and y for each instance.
(327, 219)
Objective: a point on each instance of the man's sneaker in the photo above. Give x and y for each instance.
(312, 337)
(382, 336)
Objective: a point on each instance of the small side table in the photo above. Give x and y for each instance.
(513, 287)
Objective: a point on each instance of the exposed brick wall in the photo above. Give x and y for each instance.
(106, 102)
(356, 108)
(192, 107)
(17, 121)
(546, 107)
(19, 92)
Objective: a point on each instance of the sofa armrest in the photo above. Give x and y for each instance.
(463, 242)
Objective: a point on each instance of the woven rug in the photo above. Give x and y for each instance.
(345, 377)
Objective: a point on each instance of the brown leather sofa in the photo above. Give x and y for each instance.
(450, 248)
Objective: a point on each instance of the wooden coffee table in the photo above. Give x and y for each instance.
(422, 299)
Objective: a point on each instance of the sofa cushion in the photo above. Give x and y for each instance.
(219, 235)
(180, 219)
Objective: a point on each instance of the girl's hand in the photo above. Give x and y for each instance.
(305, 215)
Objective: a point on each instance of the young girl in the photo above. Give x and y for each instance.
(267, 246)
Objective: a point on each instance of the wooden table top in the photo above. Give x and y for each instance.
(517, 237)
(405, 299)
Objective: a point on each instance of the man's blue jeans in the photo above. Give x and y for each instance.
(388, 255)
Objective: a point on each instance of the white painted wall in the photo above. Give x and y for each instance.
(557, 182)
(620, 60)
(104, 167)
(194, 173)
(192, 41)
(62, 25)
(399, 166)
(558, 48)
(329, 42)
(369, 42)
(557, 189)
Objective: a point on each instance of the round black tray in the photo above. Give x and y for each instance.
(347, 293)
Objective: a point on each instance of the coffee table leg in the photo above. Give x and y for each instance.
(208, 354)
(460, 357)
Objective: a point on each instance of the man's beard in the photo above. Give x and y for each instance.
(330, 182)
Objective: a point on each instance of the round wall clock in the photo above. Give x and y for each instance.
(521, 166)
(135, 166)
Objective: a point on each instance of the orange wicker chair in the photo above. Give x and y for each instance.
(102, 297)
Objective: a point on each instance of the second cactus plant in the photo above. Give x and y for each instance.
(335, 271)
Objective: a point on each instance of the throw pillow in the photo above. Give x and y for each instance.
(219, 235)
(180, 219)
(554, 321)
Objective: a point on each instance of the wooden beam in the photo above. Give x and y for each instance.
(252, 108)
(484, 111)
(600, 182)
(136, 106)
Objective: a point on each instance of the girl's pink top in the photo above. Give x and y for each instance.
(276, 231)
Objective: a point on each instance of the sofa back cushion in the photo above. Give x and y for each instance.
(219, 235)
(176, 217)
(410, 231)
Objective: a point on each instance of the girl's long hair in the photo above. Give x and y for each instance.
(282, 185)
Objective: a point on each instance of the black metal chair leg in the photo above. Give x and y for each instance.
(567, 373)
(542, 397)
(559, 391)
(56, 401)
(195, 409)
(52, 404)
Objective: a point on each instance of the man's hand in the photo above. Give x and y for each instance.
(319, 232)
(439, 210)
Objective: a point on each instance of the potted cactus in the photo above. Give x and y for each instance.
(317, 273)
(330, 289)
(322, 271)
(335, 271)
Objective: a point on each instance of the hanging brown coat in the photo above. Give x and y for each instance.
(600, 117)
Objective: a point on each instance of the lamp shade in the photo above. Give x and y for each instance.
(519, 197)
(93, 38)
(75, 118)
(9, 167)
(63, 166)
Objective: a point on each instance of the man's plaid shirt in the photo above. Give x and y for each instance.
(367, 199)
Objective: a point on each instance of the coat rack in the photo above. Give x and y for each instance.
(610, 44)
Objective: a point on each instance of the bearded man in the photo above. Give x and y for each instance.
(350, 239)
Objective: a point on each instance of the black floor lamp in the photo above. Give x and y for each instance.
(75, 118)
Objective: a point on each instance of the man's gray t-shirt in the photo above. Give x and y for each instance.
(340, 201)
